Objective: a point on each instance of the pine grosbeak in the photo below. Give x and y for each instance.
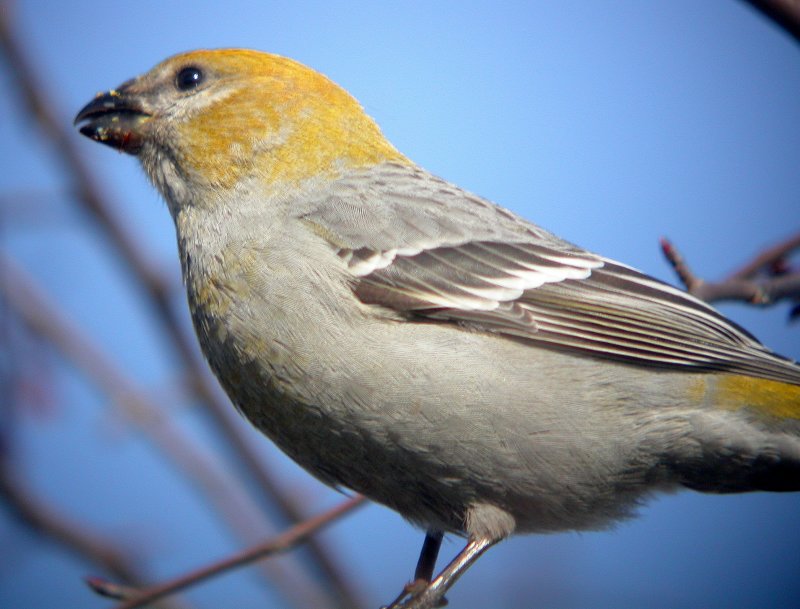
(401, 337)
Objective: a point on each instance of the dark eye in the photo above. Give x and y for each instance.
(189, 78)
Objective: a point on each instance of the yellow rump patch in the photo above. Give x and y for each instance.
(781, 400)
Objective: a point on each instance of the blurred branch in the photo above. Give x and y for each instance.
(765, 280)
(772, 258)
(31, 207)
(786, 13)
(282, 543)
(39, 106)
(97, 205)
(241, 515)
(43, 519)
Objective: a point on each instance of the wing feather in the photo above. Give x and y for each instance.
(425, 248)
(569, 301)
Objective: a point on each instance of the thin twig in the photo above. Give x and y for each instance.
(768, 258)
(690, 281)
(753, 283)
(43, 519)
(282, 543)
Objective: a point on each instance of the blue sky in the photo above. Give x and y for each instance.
(610, 123)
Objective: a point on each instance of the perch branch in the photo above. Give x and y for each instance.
(224, 493)
(282, 543)
(43, 519)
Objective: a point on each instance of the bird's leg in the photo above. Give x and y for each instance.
(427, 556)
(433, 594)
(423, 574)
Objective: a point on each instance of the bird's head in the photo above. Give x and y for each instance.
(212, 118)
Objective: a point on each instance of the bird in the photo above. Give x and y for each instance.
(403, 338)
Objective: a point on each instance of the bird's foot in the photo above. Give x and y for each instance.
(413, 596)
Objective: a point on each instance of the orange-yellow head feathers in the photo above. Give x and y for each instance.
(216, 116)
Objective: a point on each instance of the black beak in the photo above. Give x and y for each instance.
(114, 118)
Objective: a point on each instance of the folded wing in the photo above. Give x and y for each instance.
(429, 250)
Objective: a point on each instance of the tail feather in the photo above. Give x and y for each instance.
(750, 442)
(762, 474)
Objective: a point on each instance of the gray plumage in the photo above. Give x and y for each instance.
(411, 400)
(401, 337)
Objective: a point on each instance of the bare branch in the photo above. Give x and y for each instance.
(765, 280)
(282, 543)
(240, 514)
(43, 519)
(771, 258)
